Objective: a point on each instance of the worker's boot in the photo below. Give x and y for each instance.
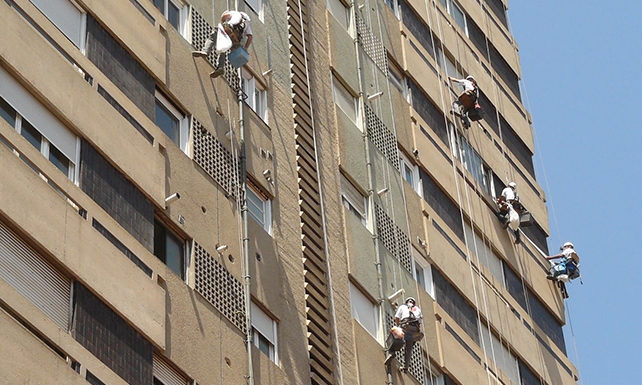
(217, 72)
(199, 53)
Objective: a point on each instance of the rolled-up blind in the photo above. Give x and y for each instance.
(66, 16)
(34, 278)
(36, 114)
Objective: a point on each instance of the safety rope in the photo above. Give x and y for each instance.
(457, 185)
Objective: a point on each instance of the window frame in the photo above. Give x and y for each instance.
(257, 94)
(450, 4)
(273, 347)
(415, 181)
(394, 7)
(259, 12)
(182, 118)
(357, 295)
(73, 172)
(267, 207)
(398, 79)
(340, 96)
(333, 7)
(185, 243)
(353, 207)
(82, 38)
(183, 14)
(418, 259)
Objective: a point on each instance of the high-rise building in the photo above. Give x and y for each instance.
(160, 226)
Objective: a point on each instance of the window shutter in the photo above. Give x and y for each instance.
(65, 16)
(263, 323)
(31, 109)
(353, 195)
(166, 374)
(34, 278)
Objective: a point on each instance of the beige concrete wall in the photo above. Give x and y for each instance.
(78, 112)
(27, 360)
(35, 208)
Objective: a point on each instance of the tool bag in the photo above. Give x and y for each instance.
(476, 113)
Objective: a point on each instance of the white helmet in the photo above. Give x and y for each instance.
(469, 77)
(513, 185)
(410, 299)
(568, 244)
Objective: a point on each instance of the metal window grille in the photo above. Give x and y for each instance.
(219, 287)
(393, 238)
(382, 137)
(215, 159)
(372, 46)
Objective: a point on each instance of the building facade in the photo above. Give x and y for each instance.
(159, 226)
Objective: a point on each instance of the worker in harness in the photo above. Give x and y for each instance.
(466, 105)
(234, 27)
(408, 318)
(565, 265)
(510, 209)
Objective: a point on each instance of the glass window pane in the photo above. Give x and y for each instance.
(7, 113)
(459, 16)
(340, 12)
(167, 122)
(174, 254)
(421, 279)
(345, 100)
(255, 207)
(160, 4)
(31, 134)
(264, 344)
(173, 14)
(59, 160)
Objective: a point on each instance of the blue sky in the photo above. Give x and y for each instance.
(581, 64)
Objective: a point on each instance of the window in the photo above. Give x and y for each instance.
(259, 207)
(353, 200)
(67, 17)
(394, 5)
(485, 254)
(456, 12)
(257, 95)
(346, 102)
(38, 126)
(341, 12)
(169, 248)
(175, 12)
(410, 173)
(471, 160)
(398, 80)
(166, 374)
(422, 273)
(448, 64)
(173, 122)
(264, 333)
(500, 354)
(256, 6)
(365, 312)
